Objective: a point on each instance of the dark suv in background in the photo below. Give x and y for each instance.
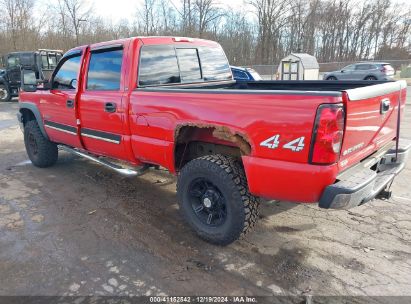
(42, 61)
(363, 71)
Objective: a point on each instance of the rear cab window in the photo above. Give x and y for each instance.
(189, 64)
(170, 64)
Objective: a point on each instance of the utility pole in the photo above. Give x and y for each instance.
(77, 29)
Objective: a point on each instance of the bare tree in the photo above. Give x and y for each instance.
(74, 13)
(18, 19)
(148, 17)
(332, 30)
(207, 12)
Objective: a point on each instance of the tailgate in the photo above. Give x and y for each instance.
(371, 119)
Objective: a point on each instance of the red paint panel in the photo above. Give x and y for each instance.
(257, 117)
(154, 151)
(288, 181)
(367, 130)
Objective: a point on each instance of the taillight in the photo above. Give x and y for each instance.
(328, 134)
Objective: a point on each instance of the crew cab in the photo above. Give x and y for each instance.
(150, 102)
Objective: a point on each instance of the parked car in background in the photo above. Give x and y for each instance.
(363, 71)
(41, 61)
(245, 74)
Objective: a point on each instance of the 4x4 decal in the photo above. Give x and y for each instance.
(273, 142)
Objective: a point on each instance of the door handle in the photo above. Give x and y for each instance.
(385, 105)
(110, 107)
(70, 103)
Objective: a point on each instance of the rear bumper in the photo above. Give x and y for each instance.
(365, 184)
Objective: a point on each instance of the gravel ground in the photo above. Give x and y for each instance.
(80, 229)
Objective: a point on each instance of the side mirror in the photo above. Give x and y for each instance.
(46, 84)
(28, 80)
(73, 83)
(342, 71)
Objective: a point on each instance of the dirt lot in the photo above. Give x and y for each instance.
(80, 229)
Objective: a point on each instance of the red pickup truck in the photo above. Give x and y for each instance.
(171, 102)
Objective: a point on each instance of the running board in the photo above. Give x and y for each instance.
(115, 167)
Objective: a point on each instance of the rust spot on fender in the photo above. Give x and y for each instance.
(222, 133)
(226, 133)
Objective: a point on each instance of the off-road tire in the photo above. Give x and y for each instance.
(242, 207)
(45, 153)
(6, 96)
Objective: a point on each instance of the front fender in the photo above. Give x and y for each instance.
(36, 112)
(4, 82)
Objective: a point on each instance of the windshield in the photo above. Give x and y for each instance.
(13, 61)
(255, 75)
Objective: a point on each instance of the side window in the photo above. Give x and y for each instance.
(189, 65)
(104, 72)
(158, 65)
(363, 67)
(44, 62)
(349, 67)
(239, 75)
(52, 61)
(66, 76)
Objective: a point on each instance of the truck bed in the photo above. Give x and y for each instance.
(367, 128)
(276, 85)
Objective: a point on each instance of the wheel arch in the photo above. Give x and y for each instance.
(370, 75)
(29, 111)
(331, 76)
(195, 140)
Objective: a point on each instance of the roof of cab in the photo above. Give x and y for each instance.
(175, 40)
(152, 40)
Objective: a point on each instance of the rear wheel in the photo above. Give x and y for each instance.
(331, 78)
(4, 93)
(42, 152)
(370, 78)
(214, 199)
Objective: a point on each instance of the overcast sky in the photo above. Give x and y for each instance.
(126, 9)
(116, 10)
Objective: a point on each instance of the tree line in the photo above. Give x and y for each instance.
(265, 32)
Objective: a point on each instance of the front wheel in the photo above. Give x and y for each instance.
(370, 78)
(331, 78)
(214, 199)
(4, 93)
(42, 152)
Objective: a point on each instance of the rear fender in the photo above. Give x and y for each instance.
(372, 75)
(29, 106)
